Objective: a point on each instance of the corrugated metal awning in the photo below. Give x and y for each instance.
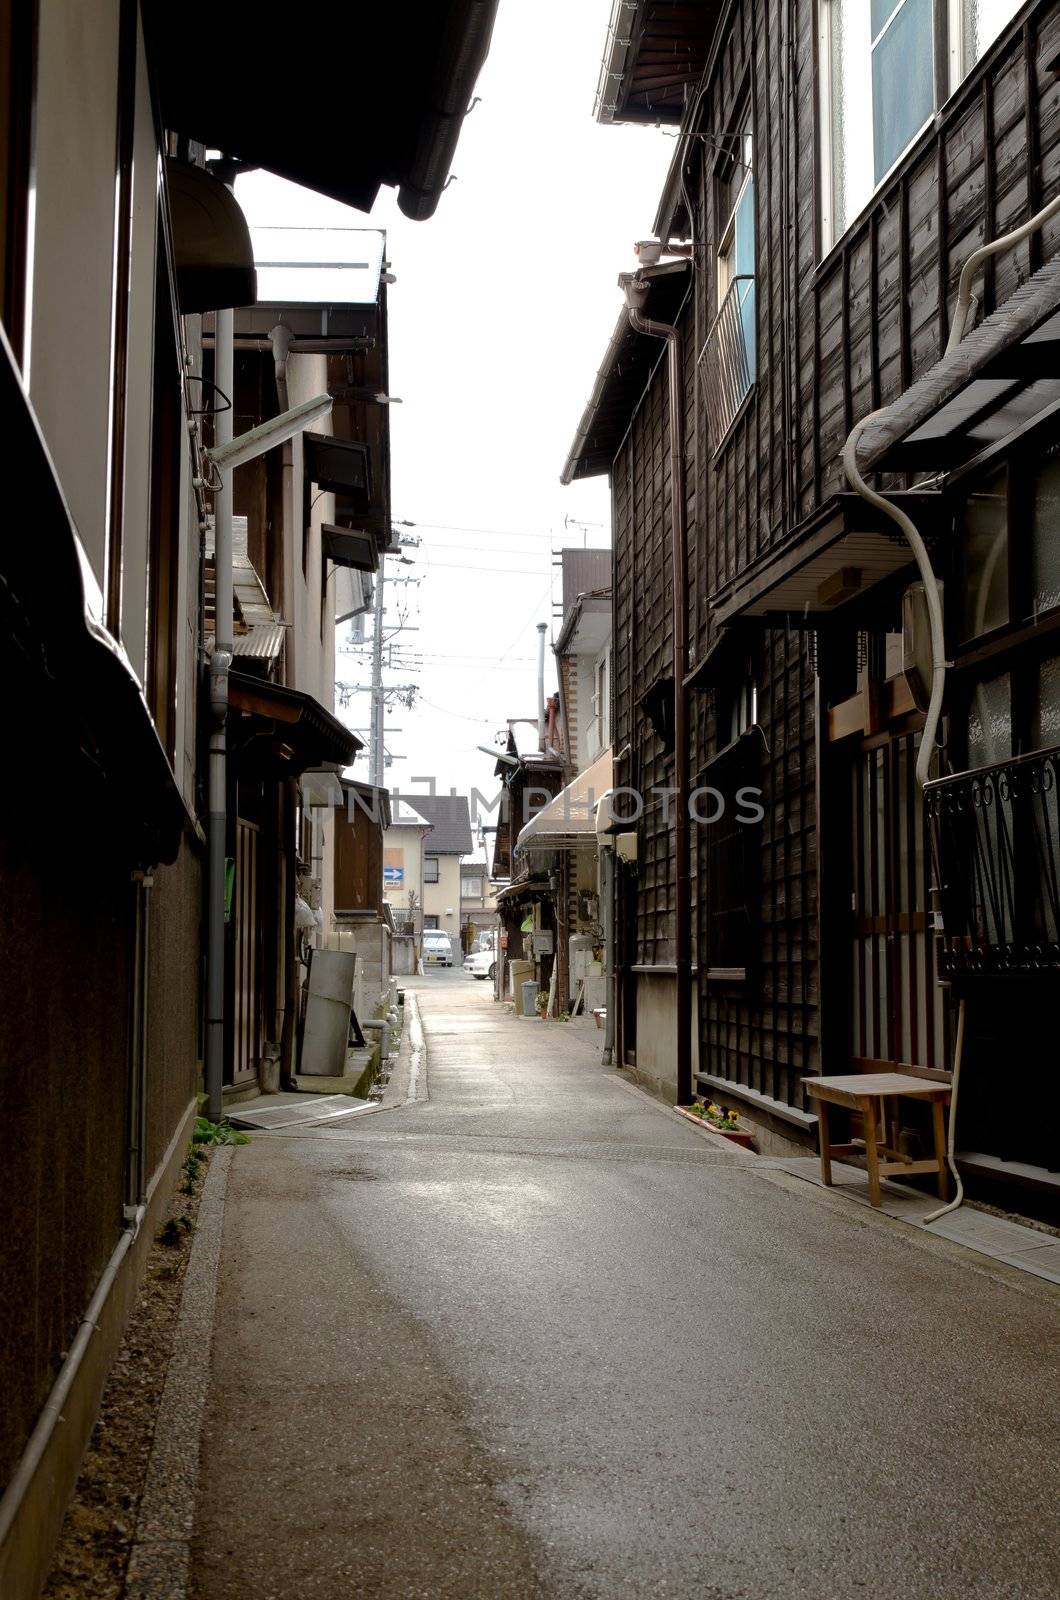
(1000, 377)
(262, 642)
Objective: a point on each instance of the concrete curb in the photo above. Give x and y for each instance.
(160, 1557)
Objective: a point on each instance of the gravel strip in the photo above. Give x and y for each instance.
(158, 1561)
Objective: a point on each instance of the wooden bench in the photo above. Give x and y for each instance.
(864, 1092)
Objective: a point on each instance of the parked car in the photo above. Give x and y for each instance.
(437, 948)
(481, 963)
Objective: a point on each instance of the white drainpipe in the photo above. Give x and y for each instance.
(220, 663)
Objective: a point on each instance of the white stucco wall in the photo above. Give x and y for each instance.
(73, 254)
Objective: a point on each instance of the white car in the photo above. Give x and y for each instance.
(481, 963)
(437, 948)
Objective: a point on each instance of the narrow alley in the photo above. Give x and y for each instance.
(530, 1334)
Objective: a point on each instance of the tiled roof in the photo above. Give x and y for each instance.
(450, 822)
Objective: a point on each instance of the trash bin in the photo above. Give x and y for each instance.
(530, 992)
(516, 974)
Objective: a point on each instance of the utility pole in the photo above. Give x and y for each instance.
(376, 739)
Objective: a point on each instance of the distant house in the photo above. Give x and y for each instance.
(559, 841)
(428, 838)
(478, 906)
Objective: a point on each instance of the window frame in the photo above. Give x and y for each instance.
(951, 71)
(435, 862)
(1020, 646)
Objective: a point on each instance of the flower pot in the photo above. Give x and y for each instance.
(740, 1136)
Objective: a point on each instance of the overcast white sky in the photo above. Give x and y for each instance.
(500, 316)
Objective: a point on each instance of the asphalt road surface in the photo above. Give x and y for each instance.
(534, 1336)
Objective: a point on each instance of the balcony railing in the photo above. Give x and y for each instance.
(724, 361)
(996, 840)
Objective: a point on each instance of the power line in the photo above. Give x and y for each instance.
(461, 527)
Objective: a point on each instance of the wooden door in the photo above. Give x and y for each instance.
(898, 1011)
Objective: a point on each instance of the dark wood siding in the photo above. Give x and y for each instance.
(836, 338)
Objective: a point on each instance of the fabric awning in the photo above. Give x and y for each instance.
(211, 241)
(74, 703)
(569, 821)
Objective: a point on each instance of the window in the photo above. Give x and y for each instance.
(429, 923)
(990, 721)
(601, 726)
(879, 67)
(736, 249)
(430, 869)
(471, 888)
(727, 360)
(735, 709)
(1045, 540)
(729, 849)
(1006, 626)
(983, 591)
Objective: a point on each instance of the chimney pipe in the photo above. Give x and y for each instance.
(542, 629)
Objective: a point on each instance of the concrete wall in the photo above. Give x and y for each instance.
(73, 254)
(656, 1067)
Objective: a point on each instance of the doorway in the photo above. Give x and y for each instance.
(898, 1012)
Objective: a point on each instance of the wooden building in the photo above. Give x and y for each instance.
(836, 166)
(115, 243)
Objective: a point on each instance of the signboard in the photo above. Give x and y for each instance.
(504, 938)
(393, 868)
(543, 942)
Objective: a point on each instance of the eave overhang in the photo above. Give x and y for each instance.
(831, 560)
(625, 373)
(414, 79)
(654, 57)
(587, 625)
(74, 701)
(289, 731)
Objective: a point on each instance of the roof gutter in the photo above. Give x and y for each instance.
(615, 59)
(464, 49)
(607, 367)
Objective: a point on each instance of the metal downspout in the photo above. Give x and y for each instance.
(679, 550)
(220, 662)
(607, 891)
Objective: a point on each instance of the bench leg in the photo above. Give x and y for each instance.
(868, 1111)
(826, 1142)
(938, 1114)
